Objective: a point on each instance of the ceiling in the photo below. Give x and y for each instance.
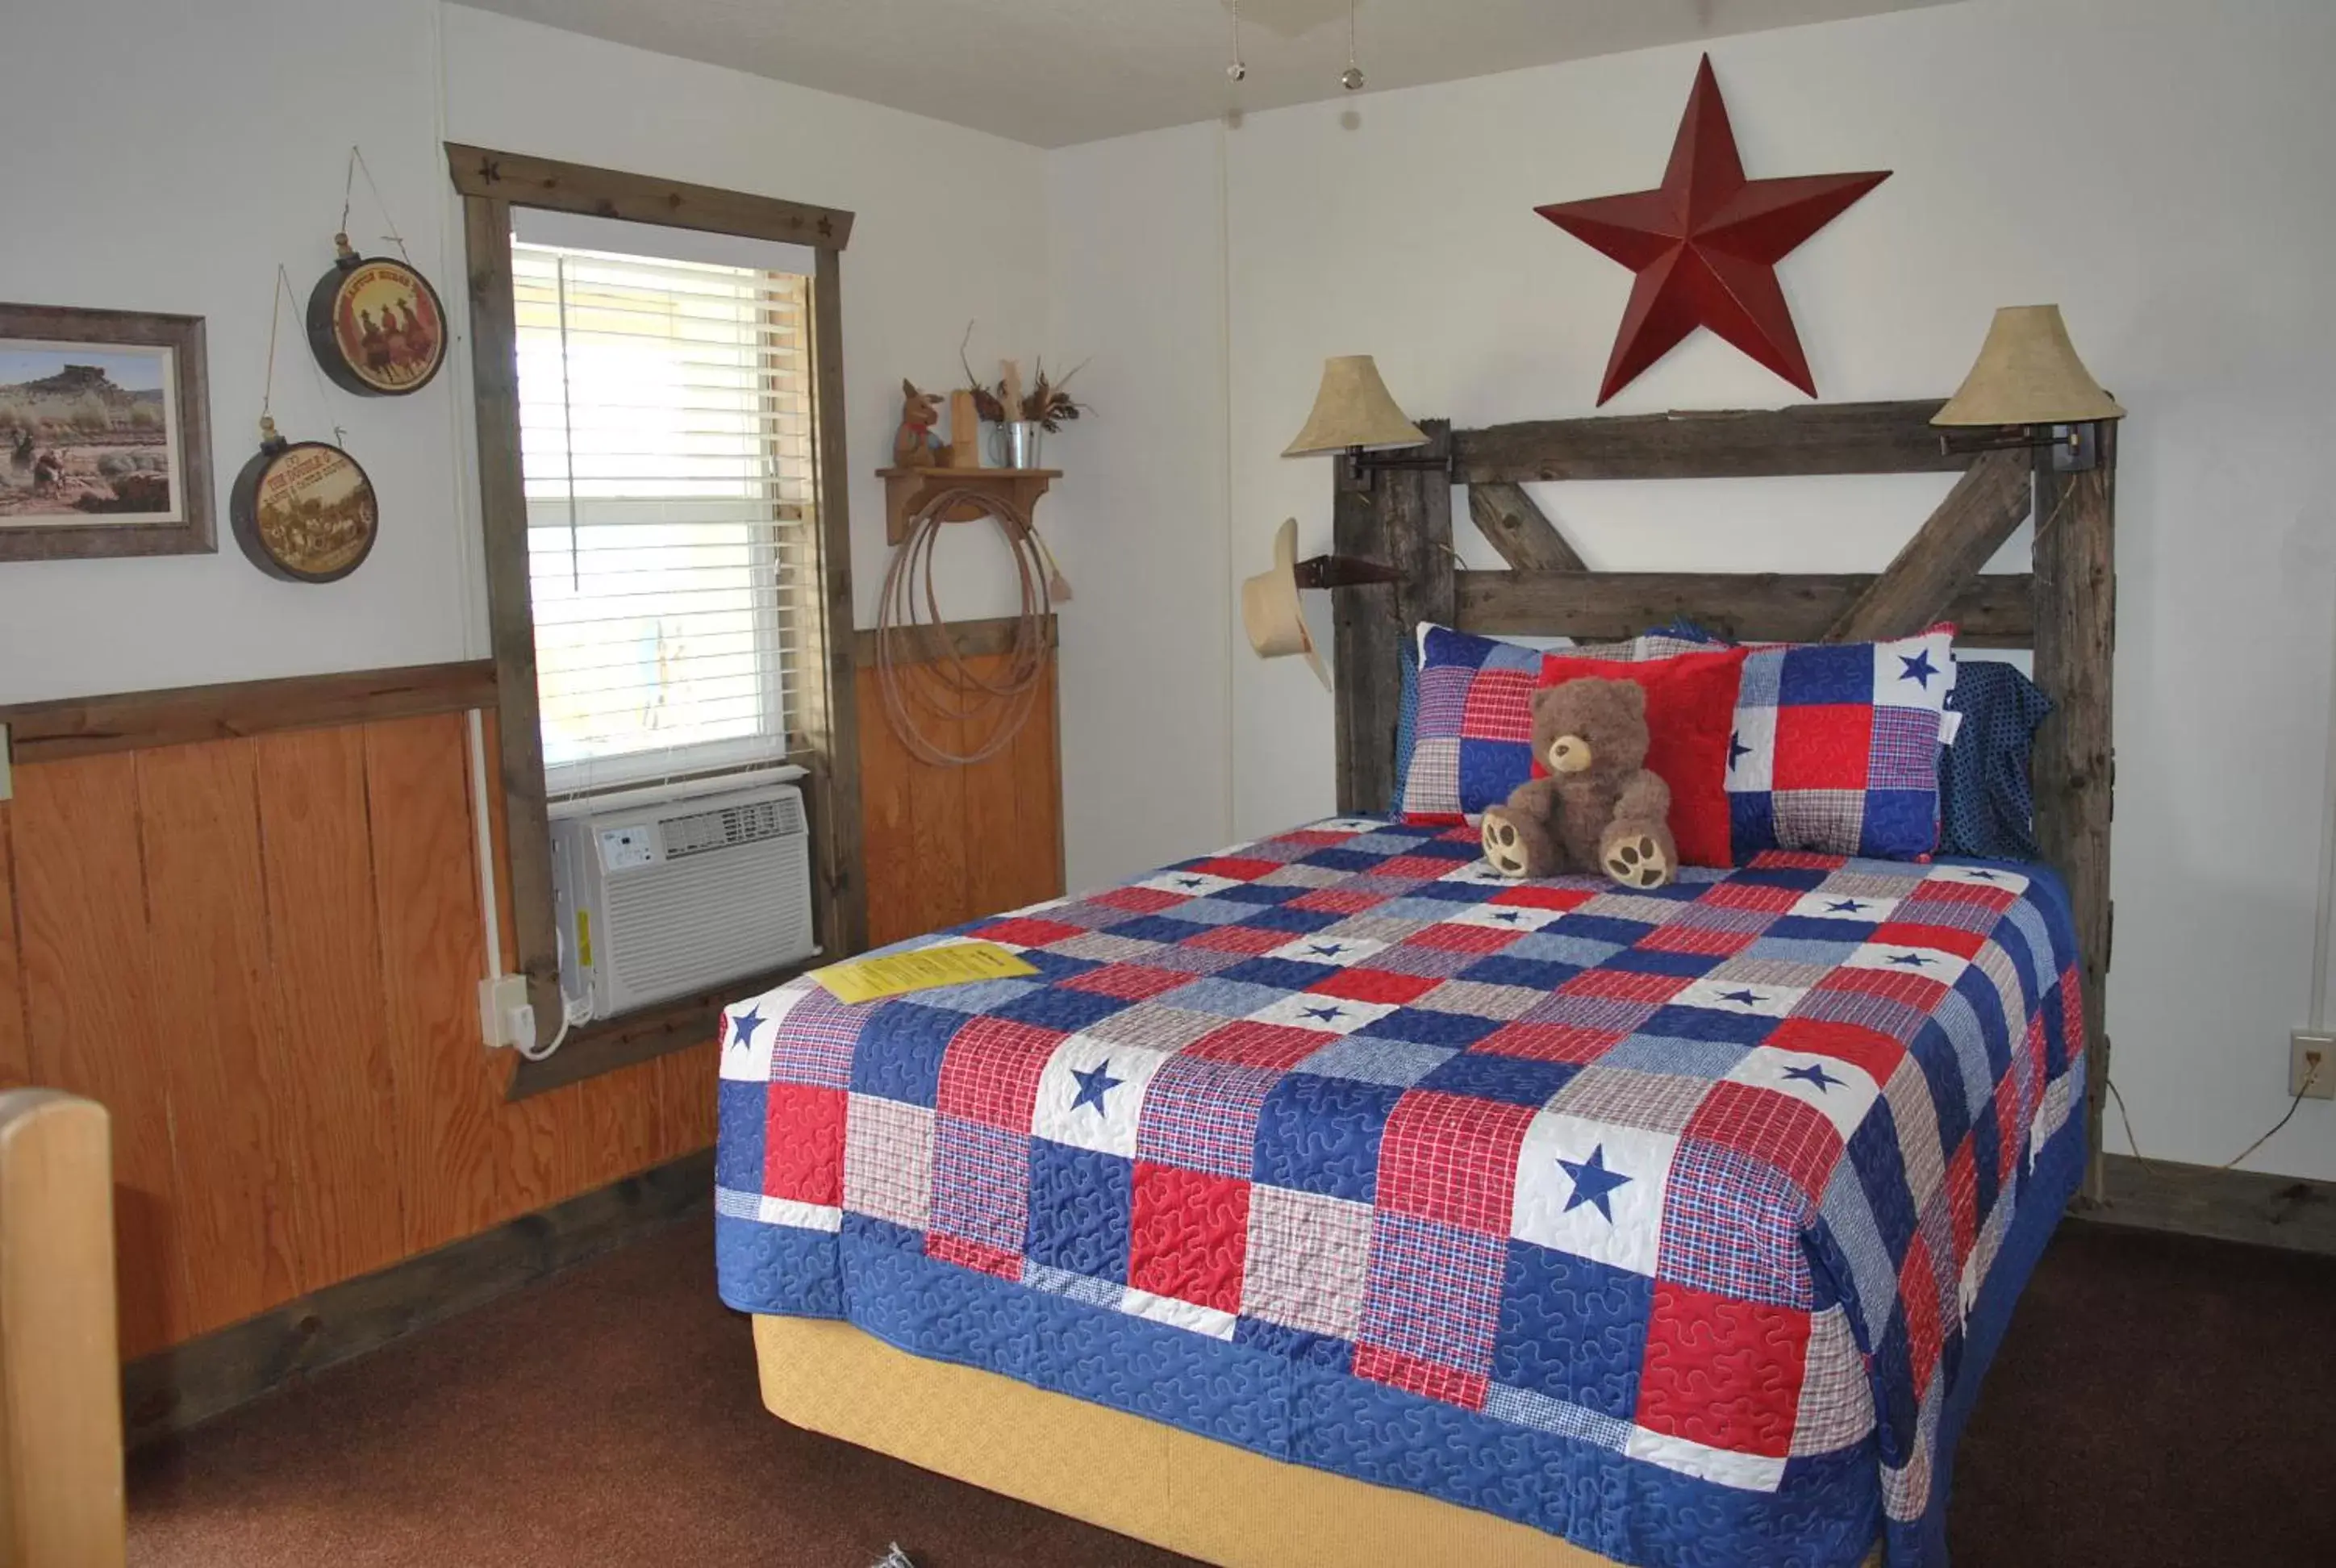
(1058, 71)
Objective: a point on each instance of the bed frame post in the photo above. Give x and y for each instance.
(1402, 517)
(2075, 763)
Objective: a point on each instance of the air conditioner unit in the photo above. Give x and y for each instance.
(672, 895)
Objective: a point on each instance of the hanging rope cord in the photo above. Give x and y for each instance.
(928, 683)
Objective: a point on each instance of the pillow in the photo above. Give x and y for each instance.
(1836, 747)
(1406, 722)
(1472, 724)
(1984, 799)
(1690, 718)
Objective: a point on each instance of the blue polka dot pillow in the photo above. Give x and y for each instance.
(1986, 805)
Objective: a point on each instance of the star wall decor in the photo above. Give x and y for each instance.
(1706, 245)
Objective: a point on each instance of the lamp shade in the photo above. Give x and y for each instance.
(1270, 613)
(2029, 373)
(1352, 408)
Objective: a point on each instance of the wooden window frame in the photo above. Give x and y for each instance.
(492, 183)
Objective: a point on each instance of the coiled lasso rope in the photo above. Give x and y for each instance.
(950, 691)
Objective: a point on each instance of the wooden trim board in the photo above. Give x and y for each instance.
(181, 716)
(636, 1037)
(2266, 1211)
(166, 1393)
(546, 182)
(971, 639)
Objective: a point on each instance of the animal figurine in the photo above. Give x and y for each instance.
(1598, 808)
(915, 445)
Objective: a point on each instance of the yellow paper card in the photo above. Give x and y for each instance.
(954, 964)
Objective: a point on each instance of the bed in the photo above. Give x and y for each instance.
(1332, 1200)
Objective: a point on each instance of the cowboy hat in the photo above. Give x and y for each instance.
(1270, 612)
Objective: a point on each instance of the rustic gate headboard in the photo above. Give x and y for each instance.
(2064, 607)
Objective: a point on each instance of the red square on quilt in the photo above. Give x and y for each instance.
(1722, 1373)
(1918, 1292)
(1778, 1130)
(803, 1144)
(1823, 747)
(1238, 939)
(1364, 985)
(1188, 1236)
(1691, 717)
(1236, 868)
(1551, 1042)
(1867, 1049)
(1128, 982)
(990, 1074)
(1427, 1380)
(1453, 1159)
(1028, 931)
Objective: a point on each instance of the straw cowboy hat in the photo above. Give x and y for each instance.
(1269, 608)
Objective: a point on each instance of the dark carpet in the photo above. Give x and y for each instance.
(2160, 1401)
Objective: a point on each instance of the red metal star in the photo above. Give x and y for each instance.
(1706, 245)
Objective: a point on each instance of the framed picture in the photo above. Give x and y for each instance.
(105, 434)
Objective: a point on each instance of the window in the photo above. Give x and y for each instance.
(666, 448)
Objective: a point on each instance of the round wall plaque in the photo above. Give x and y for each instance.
(304, 510)
(375, 324)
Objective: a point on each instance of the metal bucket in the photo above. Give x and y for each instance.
(1016, 444)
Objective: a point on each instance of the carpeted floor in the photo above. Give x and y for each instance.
(2160, 1402)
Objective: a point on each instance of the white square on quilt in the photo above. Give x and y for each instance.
(1343, 952)
(1822, 905)
(1478, 874)
(1345, 825)
(1752, 751)
(1330, 1015)
(1979, 876)
(1091, 1093)
(1592, 1189)
(1176, 1314)
(1841, 1092)
(1726, 996)
(1189, 884)
(1746, 1471)
(1914, 671)
(1503, 917)
(749, 1027)
(1905, 959)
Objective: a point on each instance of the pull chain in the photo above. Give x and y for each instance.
(1351, 78)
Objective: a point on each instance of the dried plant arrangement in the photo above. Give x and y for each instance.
(1045, 403)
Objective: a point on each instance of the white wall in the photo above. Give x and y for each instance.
(1139, 517)
(167, 158)
(171, 156)
(2155, 166)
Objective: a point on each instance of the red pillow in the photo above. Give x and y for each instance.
(1690, 720)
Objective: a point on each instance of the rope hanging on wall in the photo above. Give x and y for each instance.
(928, 683)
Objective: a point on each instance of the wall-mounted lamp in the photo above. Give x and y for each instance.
(1354, 413)
(2028, 380)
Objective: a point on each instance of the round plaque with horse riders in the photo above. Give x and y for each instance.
(375, 324)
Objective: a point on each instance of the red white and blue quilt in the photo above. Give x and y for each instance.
(1680, 1224)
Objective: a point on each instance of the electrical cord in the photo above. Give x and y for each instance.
(950, 692)
(2310, 1075)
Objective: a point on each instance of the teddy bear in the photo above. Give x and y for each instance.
(1598, 808)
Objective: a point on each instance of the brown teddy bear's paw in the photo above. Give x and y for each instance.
(1638, 861)
(1514, 844)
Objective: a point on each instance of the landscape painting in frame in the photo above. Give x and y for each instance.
(105, 442)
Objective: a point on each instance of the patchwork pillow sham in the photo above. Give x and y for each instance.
(1471, 724)
(1690, 718)
(1836, 747)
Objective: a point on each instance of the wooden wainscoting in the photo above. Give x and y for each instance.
(942, 844)
(261, 954)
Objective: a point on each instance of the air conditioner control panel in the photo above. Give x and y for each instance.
(624, 848)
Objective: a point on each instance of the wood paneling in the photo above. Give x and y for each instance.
(261, 954)
(948, 844)
(1991, 611)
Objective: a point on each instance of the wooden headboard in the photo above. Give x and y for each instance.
(2064, 607)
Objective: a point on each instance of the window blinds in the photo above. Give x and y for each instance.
(666, 439)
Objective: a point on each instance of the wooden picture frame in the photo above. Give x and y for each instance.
(105, 434)
(2064, 608)
(492, 184)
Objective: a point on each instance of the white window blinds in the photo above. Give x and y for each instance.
(666, 437)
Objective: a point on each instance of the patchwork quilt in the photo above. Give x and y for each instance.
(1679, 1224)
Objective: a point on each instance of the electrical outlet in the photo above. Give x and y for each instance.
(2311, 1064)
(499, 999)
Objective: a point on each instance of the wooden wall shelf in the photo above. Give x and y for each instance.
(907, 489)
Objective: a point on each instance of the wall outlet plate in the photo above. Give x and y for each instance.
(2301, 1046)
(498, 998)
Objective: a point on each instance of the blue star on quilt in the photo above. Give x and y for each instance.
(1511, 916)
(1326, 950)
(1976, 874)
(1735, 749)
(1911, 960)
(1845, 907)
(1093, 1085)
(1326, 1015)
(1814, 1072)
(1919, 669)
(1592, 1182)
(743, 1028)
(1742, 997)
(1189, 882)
